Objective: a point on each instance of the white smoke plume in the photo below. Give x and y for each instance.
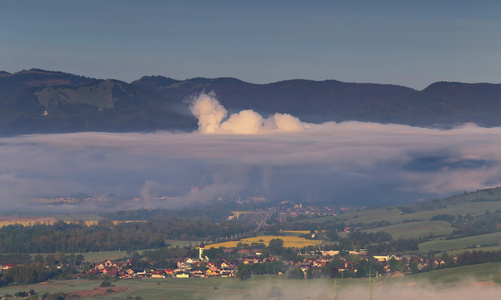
(212, 119)
(209, 111)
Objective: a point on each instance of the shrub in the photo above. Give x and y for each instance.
(105, 284)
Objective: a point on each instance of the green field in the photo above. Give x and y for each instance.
(259, 287)
(448, 276)
(413, 221)
(394, 215)
(438, 284)
(463, 243)
(419, 229)
(53, 286)
(101, 256)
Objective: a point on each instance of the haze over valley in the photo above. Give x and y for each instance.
(246, 154)
(250, 150)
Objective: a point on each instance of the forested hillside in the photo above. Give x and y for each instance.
(39, 101)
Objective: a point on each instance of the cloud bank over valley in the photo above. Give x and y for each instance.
(245, 154)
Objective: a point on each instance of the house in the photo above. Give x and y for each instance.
(226, 274)
(251, 260)
(108, 264)
(382, 258)
(330, 253)
(142, 274)
(305, 267)
(168, 272)
(127, 274)
(212, 272)
(197, 274)
(8, 266)
(110, 271)
(182, 275)
(158, 274)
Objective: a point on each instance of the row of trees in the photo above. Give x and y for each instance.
(33, 273)
(38, 268)
(78, 237)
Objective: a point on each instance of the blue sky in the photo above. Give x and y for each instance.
(411, 43)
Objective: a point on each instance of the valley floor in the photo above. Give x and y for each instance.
(479, 281)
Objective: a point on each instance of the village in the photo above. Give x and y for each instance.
(313, 264)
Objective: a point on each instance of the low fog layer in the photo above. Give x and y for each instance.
(311, 289)
(248, 154)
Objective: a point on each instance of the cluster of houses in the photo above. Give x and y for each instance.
(201, 268)
(319, 260)
(186, 268)
(4, 267)
(311, 210)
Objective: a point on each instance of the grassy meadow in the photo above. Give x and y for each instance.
(474, 242)
(420, 229)
(394, 215)
(453, 276)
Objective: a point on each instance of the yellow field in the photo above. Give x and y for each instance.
(25, 221)
(289, 241)
(298, 231)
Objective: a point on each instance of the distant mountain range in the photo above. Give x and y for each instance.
(40, 101)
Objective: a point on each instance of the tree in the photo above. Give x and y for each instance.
(414, 266)
(51, 260)
(295, 273)
(105, 284)
(393, 264)
(243, 271)
(38, 258)
(330, 270)
(276, 246)
(332, 235)
(447, 258)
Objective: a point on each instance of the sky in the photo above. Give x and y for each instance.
(410, 43)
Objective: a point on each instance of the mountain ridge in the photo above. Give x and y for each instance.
(40, 101)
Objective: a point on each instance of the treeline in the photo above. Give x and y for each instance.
(34, 273)
(32, 269)
(78, 237)
(358, 268)
(27, 274)
(471, 258)
(471, 225)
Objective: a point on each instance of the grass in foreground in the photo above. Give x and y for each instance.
(438, 284)
(454, 276)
